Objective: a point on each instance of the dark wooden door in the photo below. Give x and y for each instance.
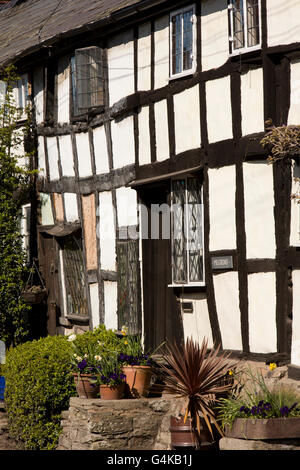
(162, 317)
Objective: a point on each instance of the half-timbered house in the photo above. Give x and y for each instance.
(141, 109)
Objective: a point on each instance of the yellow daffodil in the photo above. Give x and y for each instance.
(230, 372)
(272, 366)
(125, 342)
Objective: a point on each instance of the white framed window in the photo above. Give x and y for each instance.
(25, 229)
(245, 26)
(187, 232)
(21, 95)
(183, 42)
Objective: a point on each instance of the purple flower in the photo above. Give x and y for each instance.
(284, 411)
(267, 406)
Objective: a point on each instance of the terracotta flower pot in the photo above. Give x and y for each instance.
(84, 387)
(137, 380)
(112, 393)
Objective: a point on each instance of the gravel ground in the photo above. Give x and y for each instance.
(6, 443)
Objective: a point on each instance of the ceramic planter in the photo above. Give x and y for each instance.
(112, 393)
(264, 429)
(137, 380)
(183, 437)
(84, 387)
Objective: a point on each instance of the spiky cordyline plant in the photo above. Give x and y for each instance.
(196, 374)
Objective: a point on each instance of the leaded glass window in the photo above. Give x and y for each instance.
(244, 24)
(182, 41)
(187, 231)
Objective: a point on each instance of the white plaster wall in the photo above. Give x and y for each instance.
(226, 288)
(94, 296)
(38, 94)
(126, 206)
(41, 157)
(214, 33)
(144, 57)
(110, 303)
(52, 158)
(161, 130)
(294, 111)
(63, 90)
(222, 188)
(144, 137)
(259, 210)
(71, 208)
(295, 352)
(283, 22)
(100, 150)
(161, 51)
(46, 209)
(262, 312)
(83, 155)
(187, 119)
(196, 325)
(122, 133)
(106, 232)
(219, 115)
(66, 155)
(120, 58)
(252, 102)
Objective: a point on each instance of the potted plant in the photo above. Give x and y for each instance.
(34, 294)
(197, 375)
(111, 379)
(136, 365)
(259, 412)
(84, 367)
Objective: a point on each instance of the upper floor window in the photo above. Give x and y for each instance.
(182, 42)
(87, 80)
(245, 25)
(21, 95)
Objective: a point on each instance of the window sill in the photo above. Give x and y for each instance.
(187, 74)
(195, 284)
(245, 52)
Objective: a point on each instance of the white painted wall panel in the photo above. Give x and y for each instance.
(120, 57)
(161, 46)
(222, 188)
(294, 112)
(196, 325)
(259, 210)
(227, 302)
(161, 130)
(52, 158)
(295, 352)
(295, 208)
(262, 312)
(41, 157)
(187, 119)
(126, 206)
(38, 94)
(84, 155)
(144, 57)
(46, 209)
(214, 33)
(106, 232)
(123, 142)
(144, 137)
(66, 155)
(63, 90)
(283, 22)
(100, 149)
(110, 302)
(219, 115)
(94, 296)
(252, 98)
(71, 208)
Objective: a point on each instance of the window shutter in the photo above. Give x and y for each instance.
(88, 79)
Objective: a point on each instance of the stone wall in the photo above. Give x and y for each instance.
(132, 424)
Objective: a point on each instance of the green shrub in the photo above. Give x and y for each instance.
(100, 339)
(38, 388)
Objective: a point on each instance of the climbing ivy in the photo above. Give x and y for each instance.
(15, 180)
